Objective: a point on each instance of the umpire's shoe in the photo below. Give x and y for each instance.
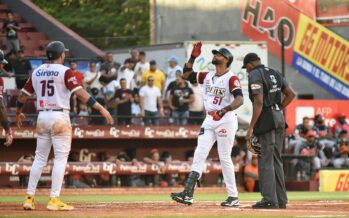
(263, 204)
(230, 202)
(186, 196)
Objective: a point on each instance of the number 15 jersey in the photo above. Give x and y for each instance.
(218, 90)
(53, 85)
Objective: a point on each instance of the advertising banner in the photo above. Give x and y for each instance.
(329, 109)
(322, 56)
(263, 21)
(121, 132)
(334, 180)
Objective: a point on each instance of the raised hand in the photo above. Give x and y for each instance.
(196, 50)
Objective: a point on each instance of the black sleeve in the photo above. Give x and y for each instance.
(193, 78)
(237, 92)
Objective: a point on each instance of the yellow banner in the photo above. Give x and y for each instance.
(323, 47)
(334, 180)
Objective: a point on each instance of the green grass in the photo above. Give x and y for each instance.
(293, 196)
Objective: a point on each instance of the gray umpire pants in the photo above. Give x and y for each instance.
(270, 167)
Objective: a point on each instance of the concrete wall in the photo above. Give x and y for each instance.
(178, 21)
(55, 30)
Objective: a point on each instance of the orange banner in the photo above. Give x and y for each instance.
(263, 21)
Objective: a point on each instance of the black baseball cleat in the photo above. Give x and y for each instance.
(182, 197)
(282, 206)
(264, 205)
(230, 202)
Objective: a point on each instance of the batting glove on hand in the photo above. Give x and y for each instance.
(196, 50)
(9, 138)
(218, 114)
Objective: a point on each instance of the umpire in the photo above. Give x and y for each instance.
(265, 87)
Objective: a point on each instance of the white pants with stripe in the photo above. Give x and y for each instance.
(53, 129)
(223, 132)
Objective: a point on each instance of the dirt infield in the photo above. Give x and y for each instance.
(144, 209)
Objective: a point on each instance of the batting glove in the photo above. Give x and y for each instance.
(196, 50)
(218, 114)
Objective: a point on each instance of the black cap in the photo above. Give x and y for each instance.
(55, 49)
(226, 53)
(249, 58)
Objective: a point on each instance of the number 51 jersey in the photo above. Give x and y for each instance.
(218, 90)
(53, 85)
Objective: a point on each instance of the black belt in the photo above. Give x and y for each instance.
(61, 110)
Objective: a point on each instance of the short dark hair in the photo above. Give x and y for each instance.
(122, 79)
(142, 53)
(72, 61)
(127, 60)
(152, 62)
(93, 61)
(343, 132)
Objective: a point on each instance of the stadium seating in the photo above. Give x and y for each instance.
(32, 41)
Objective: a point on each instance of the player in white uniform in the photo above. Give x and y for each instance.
(222, 95)
(53, 84)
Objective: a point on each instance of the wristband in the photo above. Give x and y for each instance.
(228, 108)
(91, 101)
(191, 59)
(6, 125)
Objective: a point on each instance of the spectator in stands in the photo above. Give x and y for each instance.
(179, 99)
(324, 133)
(91, 78)
(172, 70)
(150, 97)
(341, 153)
(313, 148)
(135, 106)
(11, 27)
(196, 108)
(157, 75)
(108, 92)
(126, 72)
(124, 100)
(299, 135)
(73, 65)
(251, 174)
(341, 125)
(11, 56)
(139, 69)
(96, 119)
(109, 69)
(134, 57)
(154, 160)
(22, 69)
(168, 180)
(25, 159)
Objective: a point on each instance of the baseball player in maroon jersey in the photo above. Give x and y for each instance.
(53, 84)
(222, 96)
(3, 114)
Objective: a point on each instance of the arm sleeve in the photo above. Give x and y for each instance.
(255, 82)
(28, 87)
(201, 77)
(71, 82)
(141, 92)
(235, 86)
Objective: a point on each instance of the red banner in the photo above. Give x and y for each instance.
(329, 109)
(121, 132)
(97, 168)
(263, 21)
